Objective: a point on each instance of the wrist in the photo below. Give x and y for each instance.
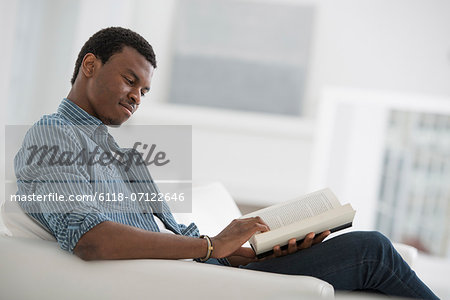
(209, 248)
(216, 243)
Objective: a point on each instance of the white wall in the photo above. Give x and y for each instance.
(260, 159)
(400, 45)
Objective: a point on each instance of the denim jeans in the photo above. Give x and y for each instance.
(352, 261)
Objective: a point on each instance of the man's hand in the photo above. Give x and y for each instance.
(310, 239)
(229, 241)
(247, 255)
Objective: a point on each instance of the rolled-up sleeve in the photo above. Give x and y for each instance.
(70, 227)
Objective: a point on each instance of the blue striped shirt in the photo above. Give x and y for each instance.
(73, 130)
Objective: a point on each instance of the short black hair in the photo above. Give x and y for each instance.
(111, 40)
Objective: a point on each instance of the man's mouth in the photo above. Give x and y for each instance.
(128, 107)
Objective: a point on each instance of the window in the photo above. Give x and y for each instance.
(414, 203)
(241, 55)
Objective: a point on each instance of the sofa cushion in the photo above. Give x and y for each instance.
(19, 224)
(213, 209)
(16, 222)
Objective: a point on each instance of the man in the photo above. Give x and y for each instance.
(112, 74)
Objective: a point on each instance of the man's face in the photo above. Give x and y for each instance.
(115, 89)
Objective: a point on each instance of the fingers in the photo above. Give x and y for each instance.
(277, 251)
(292, 246)
(253, 224)
(308, 241)
(248, 225)
(259, 221)
(261, 227)
(237, 233)
(319, 239)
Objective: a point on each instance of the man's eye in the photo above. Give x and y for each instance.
(129, 81)
(142, 94)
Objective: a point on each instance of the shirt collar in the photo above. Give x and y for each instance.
(92, 126)
(79, 117)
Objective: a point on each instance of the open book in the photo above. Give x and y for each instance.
(315, 212)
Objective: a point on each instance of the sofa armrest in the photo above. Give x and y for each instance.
(408, 253)
(38, 269)
(213, 208)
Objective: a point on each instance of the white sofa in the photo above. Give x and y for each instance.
(34, 267)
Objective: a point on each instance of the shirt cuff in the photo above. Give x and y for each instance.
(77, 225)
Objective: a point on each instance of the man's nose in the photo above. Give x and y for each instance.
(135, 96)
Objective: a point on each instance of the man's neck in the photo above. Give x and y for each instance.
(79, 98)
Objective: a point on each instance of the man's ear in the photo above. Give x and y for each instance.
(89, 65)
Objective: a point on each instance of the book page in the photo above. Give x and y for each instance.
(295, 210)
(331, 219)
